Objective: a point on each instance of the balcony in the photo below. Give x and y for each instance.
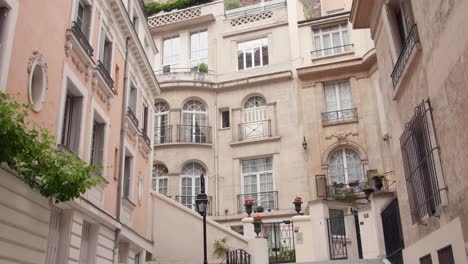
(163, 135)
(170, 74)
(245, 7)
(106, 77)
(333, 51)
(146, 139)
(82, 39)
(340, 116)
(131, 115)
(189, 202)
(255, 130)
(405, 55)
(177, 19)
(194, 134)
(268, 200)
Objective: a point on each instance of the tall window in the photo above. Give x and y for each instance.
(198, 49)
(337, 224)
(344, 166)
(162, 132)
(105, 51)
(190, 183)
(97, 143)
(54, 243)
(170, 54)
(159, 179)
(85, 243)
(71, 126)
(338, 99)
(400, 17)
(331, 40)
(132, 103)
(253, 53)
(194, 120)
(127, 176)
(3, 20)
(257, 176)
(254, 118)
(144, 128)
(83, 17)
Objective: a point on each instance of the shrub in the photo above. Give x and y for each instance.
(156, 7)
(203, 68)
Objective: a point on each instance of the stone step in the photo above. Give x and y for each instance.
(347, 261)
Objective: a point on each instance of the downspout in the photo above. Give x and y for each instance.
(216, 153)
(123, 131)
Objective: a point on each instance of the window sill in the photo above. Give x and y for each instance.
(339, 122)
(128, 204)
(182, 144)
(224, 128)
(398, 88)
(255, 140)
(343, 54)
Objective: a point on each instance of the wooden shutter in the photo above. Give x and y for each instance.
(66, 121)
(102, 41)
(75, 123)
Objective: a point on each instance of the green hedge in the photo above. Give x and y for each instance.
(155, 7)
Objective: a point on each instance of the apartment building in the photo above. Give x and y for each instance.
(83, 65)
(421, 48)
(269, 100)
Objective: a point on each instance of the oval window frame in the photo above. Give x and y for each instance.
(37, 60)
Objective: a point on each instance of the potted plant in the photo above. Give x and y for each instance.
(203, 68)
(248, 204)
(297, 204)
(367, 190)
(260, 209)
(378, 183)
(257, 222)
(220, 248)
(344, 195)
(353, 183)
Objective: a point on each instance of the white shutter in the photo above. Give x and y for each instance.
(54, 235)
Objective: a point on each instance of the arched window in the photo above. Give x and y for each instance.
(162, 131)
(160, 180)
(190, 183)
(254, 119)
(194, 123)
(344, 166)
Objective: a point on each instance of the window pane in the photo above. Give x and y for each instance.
(248, 59)
(346, 40)
(265, 55)
(330, 98)
(346, 101)
(257, 60)
(318, 46)
(337, 43)
(327, 44)
(240, 60)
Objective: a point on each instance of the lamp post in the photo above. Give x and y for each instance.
(201, 205)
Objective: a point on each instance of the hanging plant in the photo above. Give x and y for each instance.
(220, 248)
(29, 150)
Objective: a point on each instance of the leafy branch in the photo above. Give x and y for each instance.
(30, 151)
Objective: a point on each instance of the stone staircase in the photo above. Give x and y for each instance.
(347, 261)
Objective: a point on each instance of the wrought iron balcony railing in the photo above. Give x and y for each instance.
(189, 201)
(340, 115)
(194, 134)
(245, 7)
(105, 75)
(268, 200)
(411, 40)
(82, 39)
(131, 115)
(332, 51)
(146, 139)
(258, 129)
(163, 134)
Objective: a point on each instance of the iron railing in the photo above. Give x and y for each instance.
(105, 75)
(418, 148)
(243, 7)
(411, 40)
(189, 202)
(330, 191)
(332, 51)
(82, 39)
(340, 115)
(280, 238)
(167, 69)
(163, 134)
(268, 200)
(194, 134)
(131, 115)
(146, 139)
(238, 256)
(258, 129)
(337, 238)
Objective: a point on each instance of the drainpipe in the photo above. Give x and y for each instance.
(123, 131)
(216, 154)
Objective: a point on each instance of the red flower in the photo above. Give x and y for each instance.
(248, 201)
(298, 199)
(257, 218)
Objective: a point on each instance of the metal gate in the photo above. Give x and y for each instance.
(393, 235)
(337, 237)
(280, 236)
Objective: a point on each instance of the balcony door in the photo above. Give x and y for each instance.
(344, 166)
(161, 123)
(190, 183)
(194, 122)
(257, 176)
(338, 98)
(254, 117)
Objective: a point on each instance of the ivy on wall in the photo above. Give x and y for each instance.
(29, 150)
(156, 7)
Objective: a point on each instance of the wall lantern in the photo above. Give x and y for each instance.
(304, 143)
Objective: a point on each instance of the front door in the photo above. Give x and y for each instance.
(393, 235)
(280, 236)
(337, 235)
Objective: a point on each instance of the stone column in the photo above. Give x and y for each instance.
(258, 249)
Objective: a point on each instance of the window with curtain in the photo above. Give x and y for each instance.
(257, 175)
(194, 122)
(162, 132)
(198, 49)
(72, 121)
(97, 143)
(330, 40)
(253, 53)
(338, 101)
(170, 54)
(254, 118)
(344, 166)
(159, 179)
(190, 183)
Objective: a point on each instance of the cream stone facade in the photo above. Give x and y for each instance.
(76, 62)
(421, 49)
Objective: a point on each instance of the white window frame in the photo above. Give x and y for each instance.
(257, 175)
(104, 31)
(143, 124)
(104, 118)
(173, 63)
(158, 177)
(194, 62)
(8, 34)
(339, 102)
(129, 153)
(241, 48)
(158, 123)
(345, 165)
(194, 113)
(193, 187)
(319, 32)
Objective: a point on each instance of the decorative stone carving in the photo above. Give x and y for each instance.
(36, 59)
(143, 149)
(169, 18)
(341, 136)
(251, 18)
(68, 43)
